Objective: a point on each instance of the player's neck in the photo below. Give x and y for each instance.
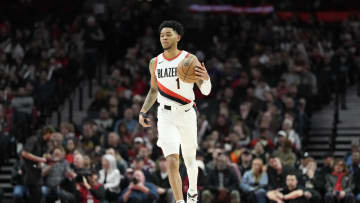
(171, 53)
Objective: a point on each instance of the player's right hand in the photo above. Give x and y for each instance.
(144, 122)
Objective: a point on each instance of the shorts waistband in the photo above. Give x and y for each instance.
(185, 107)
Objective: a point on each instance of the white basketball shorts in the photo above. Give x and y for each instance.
(176, 127)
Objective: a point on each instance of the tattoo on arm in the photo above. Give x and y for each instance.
(149, 100)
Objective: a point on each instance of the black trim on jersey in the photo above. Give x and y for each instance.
(171, 97)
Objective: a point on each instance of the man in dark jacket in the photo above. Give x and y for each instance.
(311, 181)
(160, 177)
(34, 149)
(222, 183)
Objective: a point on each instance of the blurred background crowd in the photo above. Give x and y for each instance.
(269, 77)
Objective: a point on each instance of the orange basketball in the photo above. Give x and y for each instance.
(186, 69)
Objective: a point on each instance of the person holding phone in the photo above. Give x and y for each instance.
(139, 190)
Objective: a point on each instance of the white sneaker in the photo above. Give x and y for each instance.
(191, 198)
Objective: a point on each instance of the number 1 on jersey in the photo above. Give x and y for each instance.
(178, 83)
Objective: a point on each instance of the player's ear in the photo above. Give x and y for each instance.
(178, 38)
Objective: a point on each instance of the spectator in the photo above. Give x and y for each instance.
(339, 184)
(223, 184)
(70, 148)
(277, 174)
(110, 177)
(289, 132)
(93, 35)
(357, 185)
(104, 121)
(287, 157)
(144, 153)
(265, 139)
(245, 161)
(89, 189)
(259, 152)
(128, 120)
(139, 190)
(292, 193)
(242, 132)
(160, 177)
(55, 174)
(121, 164)
(311, 181)
(67, 129)
(254, 182)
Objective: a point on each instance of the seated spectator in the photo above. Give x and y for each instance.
(105, 122)
(254, 182)
(139, 190)
(242, 132)
(259, 152)
(287, 157)
(357, 185)
(328, 165)
(161, 181)
(144, 153)
(292, 193)
(55, 174)
(128, 120)
(67, 129)
(339, 184)
(121, 164)
(110, 177)
(265, 139)
(70, 148)
(89, 189)
(245, 114)
(277, 174)
(222, 185)
(245, 161)
(355, 150)
(311, 181)
(288, 132)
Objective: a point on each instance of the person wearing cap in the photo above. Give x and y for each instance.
(285, 153)
(34, 149)
(245, 161)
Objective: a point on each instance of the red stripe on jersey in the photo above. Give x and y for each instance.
(171, 93)
(172, 57)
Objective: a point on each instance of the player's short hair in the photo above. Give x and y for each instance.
(175, 25)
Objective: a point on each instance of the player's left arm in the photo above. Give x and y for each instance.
(203, 77)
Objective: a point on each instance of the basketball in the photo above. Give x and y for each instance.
(186, 69)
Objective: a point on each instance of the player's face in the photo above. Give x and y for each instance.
(168, 38)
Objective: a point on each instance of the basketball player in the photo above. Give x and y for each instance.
(177, 123)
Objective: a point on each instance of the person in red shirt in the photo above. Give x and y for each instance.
(90, 189)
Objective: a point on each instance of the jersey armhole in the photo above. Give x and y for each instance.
(156, 61)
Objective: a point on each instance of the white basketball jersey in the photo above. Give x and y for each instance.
(171, 90)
